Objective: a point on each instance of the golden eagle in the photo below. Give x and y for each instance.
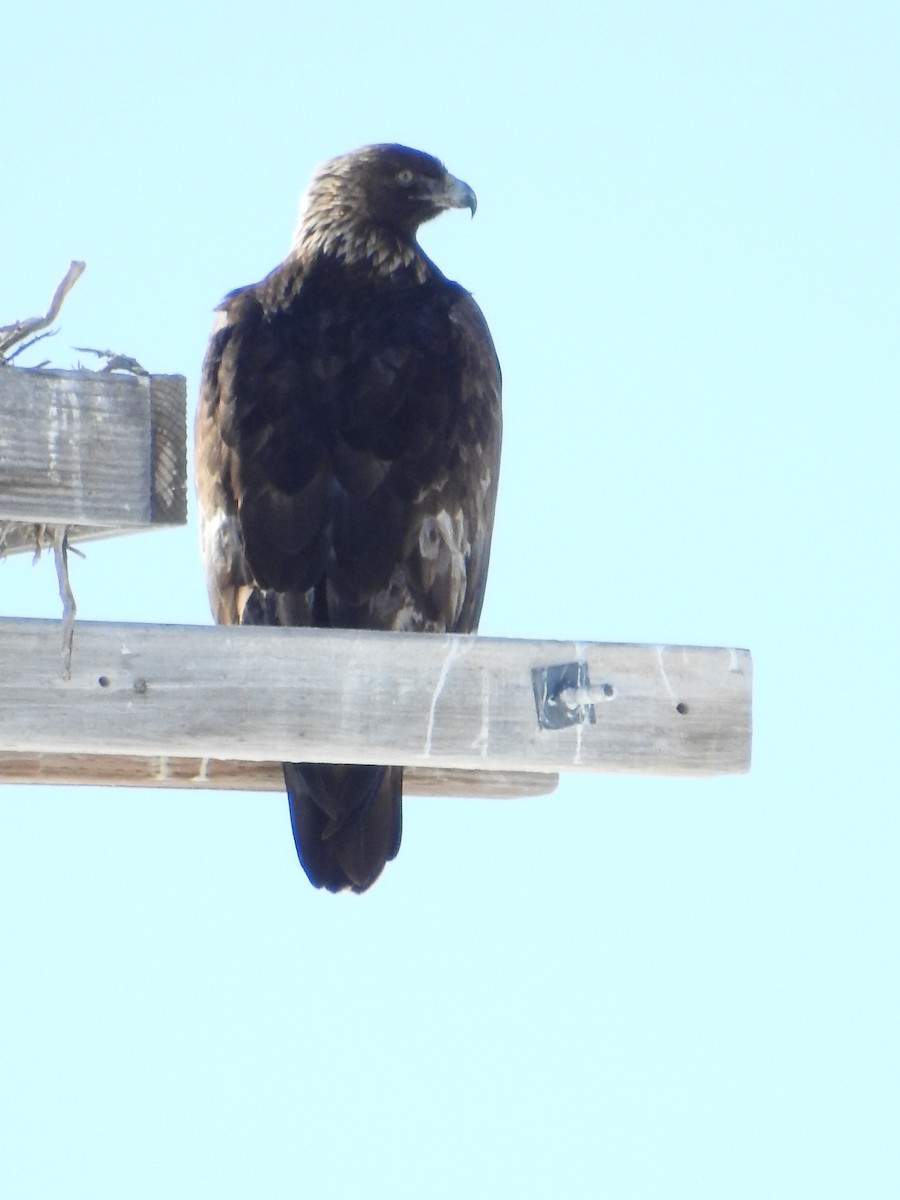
(347, 455)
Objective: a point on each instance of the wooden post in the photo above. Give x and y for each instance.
(98, 453)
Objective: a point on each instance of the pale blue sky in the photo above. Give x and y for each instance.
(688, 248)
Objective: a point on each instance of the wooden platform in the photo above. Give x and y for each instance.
(103, 453)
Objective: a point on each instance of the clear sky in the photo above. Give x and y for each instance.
(688, 249)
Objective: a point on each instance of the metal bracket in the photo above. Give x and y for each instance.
(563, 695)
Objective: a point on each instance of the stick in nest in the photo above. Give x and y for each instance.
(10, 334)
(114, 361)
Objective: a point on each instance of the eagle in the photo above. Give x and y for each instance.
(347, 454)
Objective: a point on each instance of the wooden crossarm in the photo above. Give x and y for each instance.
(441, 703)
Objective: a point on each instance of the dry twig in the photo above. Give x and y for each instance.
(38, 337)
(10, 334)
(59, 536)
(114, 361)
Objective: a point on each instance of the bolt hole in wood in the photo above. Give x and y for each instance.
(103, 681)
(681, 707)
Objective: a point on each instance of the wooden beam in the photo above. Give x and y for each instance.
(101, 453)
(210, 774)
(441, 702)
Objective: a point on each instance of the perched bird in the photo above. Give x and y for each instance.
(347, 455)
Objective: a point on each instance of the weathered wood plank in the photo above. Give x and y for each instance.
(98, 452)
(217, 775)
(453, 702)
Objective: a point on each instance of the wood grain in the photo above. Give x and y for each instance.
(308, 695)
(99, 453)
(212, 774)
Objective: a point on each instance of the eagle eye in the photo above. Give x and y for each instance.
(405, 176)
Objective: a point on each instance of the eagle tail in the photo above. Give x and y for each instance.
(347, 821)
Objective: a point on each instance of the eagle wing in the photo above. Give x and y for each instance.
(347, 455)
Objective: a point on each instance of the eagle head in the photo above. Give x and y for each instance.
(385, 186)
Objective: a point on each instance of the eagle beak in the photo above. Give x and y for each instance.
(456, 194)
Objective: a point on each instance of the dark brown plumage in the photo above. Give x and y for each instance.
(347, 454)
